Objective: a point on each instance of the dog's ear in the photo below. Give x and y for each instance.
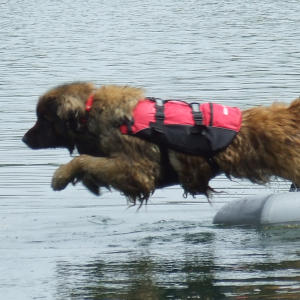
(72, 111)
(76, 121)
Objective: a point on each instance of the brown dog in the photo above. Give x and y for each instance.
(268, 144)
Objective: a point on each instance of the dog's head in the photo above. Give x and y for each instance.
(59, 118)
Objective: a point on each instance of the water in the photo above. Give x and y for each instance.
(73, 245)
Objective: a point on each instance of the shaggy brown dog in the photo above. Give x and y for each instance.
(268, 144)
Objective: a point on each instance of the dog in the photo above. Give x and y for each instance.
(266, 145)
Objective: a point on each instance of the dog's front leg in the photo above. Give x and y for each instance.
(135, 179)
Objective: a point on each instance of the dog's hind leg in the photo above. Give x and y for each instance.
(136, 179)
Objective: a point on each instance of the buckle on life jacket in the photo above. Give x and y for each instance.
(197, 114)
(159, 115)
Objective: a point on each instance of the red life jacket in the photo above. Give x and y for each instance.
(193, 128)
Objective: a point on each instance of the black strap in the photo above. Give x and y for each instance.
(211, 114)
(197, 114)
(159, 115)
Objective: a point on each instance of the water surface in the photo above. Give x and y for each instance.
(73, 245)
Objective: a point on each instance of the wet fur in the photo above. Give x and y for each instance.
(267, 145)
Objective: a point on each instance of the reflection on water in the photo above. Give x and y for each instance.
(143, 278)
(190, 279)
(191, 273)
(73, 245)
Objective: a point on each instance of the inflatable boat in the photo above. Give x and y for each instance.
(261, 210)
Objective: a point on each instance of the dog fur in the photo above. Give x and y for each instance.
(267, 145)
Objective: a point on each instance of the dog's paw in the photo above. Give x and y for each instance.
(61, 178)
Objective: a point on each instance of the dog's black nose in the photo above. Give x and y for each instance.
(25, 139)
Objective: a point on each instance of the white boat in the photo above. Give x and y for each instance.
(263, 209)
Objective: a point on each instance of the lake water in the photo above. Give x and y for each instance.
(73, 245)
